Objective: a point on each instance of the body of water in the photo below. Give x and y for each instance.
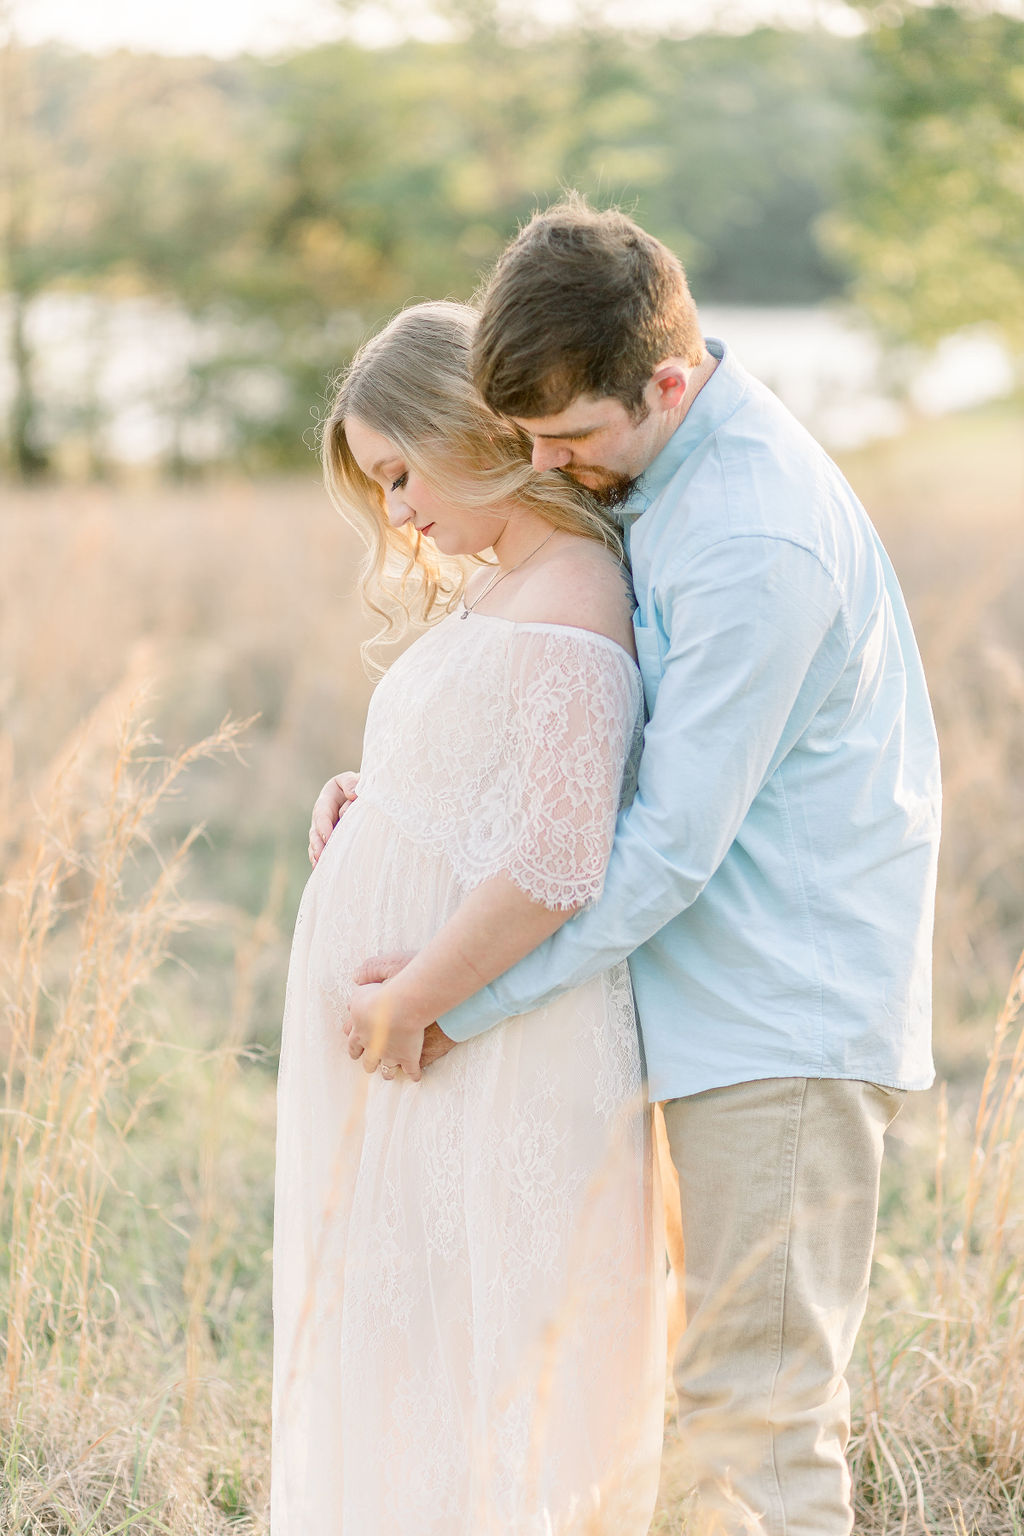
(123, 371)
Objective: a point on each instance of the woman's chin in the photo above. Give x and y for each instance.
(456, 547)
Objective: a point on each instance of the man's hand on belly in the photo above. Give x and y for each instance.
(435, 1045)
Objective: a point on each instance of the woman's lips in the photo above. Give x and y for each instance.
(425, 529)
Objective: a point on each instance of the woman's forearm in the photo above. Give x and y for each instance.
(492, 929)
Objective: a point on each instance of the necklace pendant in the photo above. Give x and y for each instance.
(464, 614)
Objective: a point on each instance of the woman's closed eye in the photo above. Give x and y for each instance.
(403, 477)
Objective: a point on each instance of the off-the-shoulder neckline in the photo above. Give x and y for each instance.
(537, 624)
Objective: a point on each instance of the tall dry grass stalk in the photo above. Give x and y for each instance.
(88, 909)
(941, 1451)
(214, 1227)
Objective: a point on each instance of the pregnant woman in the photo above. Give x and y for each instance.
(468, 1328)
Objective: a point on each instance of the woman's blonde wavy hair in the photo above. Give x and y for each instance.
(412, 383)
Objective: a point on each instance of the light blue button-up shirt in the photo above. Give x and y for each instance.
(773, 880)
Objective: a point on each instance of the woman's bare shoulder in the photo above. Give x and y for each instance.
(582, 584)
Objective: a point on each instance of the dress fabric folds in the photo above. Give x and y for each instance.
(469, 1335)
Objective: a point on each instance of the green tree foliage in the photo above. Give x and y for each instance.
(932, 222)
(51, 229)
(751, 141)
(286, 206)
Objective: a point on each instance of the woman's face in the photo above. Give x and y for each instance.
(409, 499)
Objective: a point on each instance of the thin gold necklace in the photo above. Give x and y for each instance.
(467, 608)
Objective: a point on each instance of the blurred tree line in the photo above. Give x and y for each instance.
(284, 207)
(931, 219)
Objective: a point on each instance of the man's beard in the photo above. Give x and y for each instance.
(612, 489)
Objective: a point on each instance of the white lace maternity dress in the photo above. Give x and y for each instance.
(468, 1337)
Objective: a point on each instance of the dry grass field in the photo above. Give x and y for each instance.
(143, 961)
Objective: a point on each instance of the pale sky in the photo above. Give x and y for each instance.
(224, 27)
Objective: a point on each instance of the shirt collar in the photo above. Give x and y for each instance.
(714, 404)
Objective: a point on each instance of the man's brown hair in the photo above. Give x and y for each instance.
(582, 302)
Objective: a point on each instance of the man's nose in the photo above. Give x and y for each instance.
(547, 455)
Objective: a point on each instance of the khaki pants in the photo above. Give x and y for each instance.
(779, 1200)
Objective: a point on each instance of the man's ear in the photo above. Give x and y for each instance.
(669, 382)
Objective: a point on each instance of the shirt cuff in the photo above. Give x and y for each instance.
(477, 1014)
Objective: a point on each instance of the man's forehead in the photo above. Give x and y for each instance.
(585, 414)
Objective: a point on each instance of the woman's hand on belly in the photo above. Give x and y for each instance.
(379, 1030)
(331, 804)
(381, 968)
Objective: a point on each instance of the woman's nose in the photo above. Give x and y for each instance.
(399, 512)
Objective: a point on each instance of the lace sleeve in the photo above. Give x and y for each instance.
(575, 721)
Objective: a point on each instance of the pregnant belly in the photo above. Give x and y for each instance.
(374, 891)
